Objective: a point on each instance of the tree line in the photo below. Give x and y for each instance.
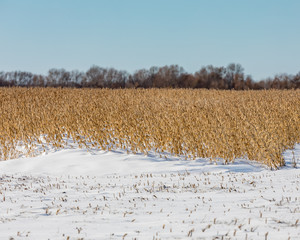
(173, 76)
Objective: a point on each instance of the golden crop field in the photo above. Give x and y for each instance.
(258, 125)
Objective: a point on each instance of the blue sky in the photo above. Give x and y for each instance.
(262, 35)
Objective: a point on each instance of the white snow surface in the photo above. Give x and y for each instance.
(91, 194)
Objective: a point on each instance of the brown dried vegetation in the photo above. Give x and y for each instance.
(213, 124)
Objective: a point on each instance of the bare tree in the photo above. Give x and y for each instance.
(58, 77)
(168, 76)
(95, 77)
(139, 78)
(296, 81)
(234, 74)
(77, 78)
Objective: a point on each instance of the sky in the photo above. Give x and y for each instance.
(262, 36)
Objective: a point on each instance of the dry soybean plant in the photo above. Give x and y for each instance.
(258, 125)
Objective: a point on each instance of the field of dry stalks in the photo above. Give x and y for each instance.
(258, 125)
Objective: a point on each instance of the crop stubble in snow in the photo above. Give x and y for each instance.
(224, 202)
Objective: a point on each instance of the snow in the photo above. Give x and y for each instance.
(78, 194)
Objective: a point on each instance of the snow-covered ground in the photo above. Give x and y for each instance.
(80, 194)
